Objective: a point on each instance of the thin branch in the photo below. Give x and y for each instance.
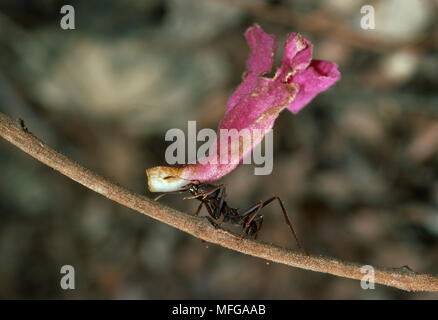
(16, 133)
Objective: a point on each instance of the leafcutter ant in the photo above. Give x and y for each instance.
(213, 198)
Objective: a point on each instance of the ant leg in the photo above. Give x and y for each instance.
(287, 220)
(199, 208)
(249, 212)
(264, 204)
(213, 223)
(166, 193)
(207, 206)
(220, 197)
(213, 218)
(259, 227)
(218, 209)
(204, 195)
(210, 212)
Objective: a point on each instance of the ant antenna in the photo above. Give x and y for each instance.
(170, 192)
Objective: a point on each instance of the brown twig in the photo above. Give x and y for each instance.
(16, 133)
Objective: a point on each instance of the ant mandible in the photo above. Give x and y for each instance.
(213, 198)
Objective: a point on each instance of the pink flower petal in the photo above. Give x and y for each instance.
(263, 48)
(256, 113)
(297, 54)
(318, 77)
(254, 106)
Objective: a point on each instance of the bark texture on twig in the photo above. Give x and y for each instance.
(15, 132)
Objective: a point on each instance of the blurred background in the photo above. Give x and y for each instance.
(357, 169)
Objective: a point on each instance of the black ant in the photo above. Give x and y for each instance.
(213, 198)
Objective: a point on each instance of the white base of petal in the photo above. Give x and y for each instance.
(165, 179)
